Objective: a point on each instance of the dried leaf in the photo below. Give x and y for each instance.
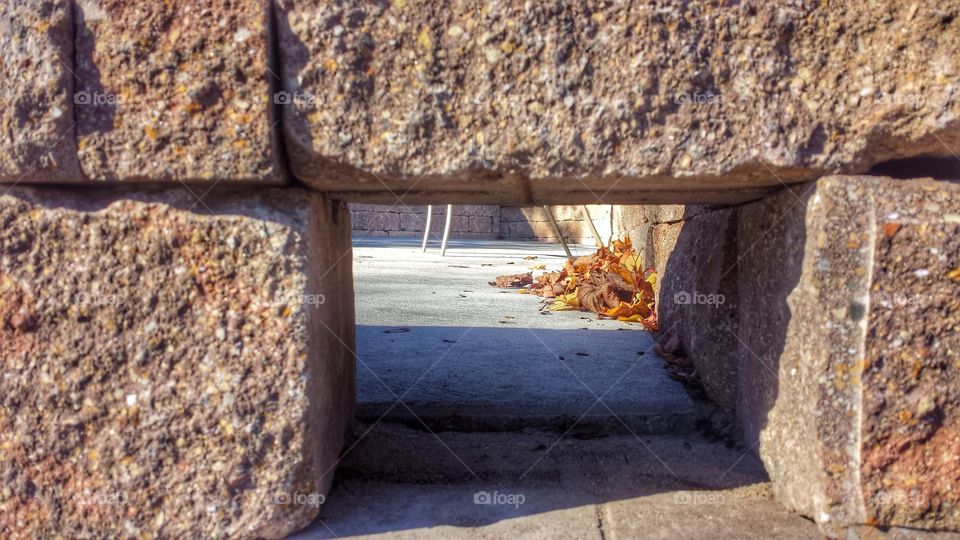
(565, 302)
(513, 281)
(610, 283)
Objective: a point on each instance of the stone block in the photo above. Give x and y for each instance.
(490, 210)
(414, 222)
(520, 230)
(172, 367)
(528, 101)
(481, 224)
(697, 298)
(636, 223)
(37, 135)
(459, 223)
(377, 221)
(517, 213)
(663, 240)
(849, 310)
(175, 91)
(361, 207)
(562, 212)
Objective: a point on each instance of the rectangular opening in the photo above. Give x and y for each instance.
(482, 412)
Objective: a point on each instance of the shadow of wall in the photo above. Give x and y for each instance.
(725, 278)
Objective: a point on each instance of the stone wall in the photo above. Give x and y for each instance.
(475, 103)
(532, 223)
(171, 371)
(186, 325)
(825, 317)
(402, 221)
(528, 101)
(485, 222)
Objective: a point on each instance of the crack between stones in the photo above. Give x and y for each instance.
(598, 511)
(74, 84)
(275, 68)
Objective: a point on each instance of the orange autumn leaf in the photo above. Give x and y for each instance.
(610, 283)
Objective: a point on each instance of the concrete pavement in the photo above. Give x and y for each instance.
(460, 352)
(499, 432)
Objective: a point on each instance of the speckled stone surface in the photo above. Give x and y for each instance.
(175, 91)
(551, 101)
(638, 222)
(171, 368)
(693, 249)
(37, 135)
(849, 382)
(697, 300)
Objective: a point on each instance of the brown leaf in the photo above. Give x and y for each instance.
(603, 291)
(610, 282)
(513, 281)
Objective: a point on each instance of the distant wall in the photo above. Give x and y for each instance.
(532, 223)
(401, 221)
(483, 222)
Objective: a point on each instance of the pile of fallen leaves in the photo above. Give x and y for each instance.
(610, 283)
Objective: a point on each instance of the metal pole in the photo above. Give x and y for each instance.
(426, 230)
(593, 229)
(556, 230)
(446, 230)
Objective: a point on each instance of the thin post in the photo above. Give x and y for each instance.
(556, 230)
(426, 229)
(593, 228)
(446, 230)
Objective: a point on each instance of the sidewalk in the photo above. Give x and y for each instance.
(460, 352)
(500, 432)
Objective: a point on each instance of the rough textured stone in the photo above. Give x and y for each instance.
(172, 368)
(636, 222)
(697, 298)
(850, 344)
(659, 102)
(175, 91)
(37, 136)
